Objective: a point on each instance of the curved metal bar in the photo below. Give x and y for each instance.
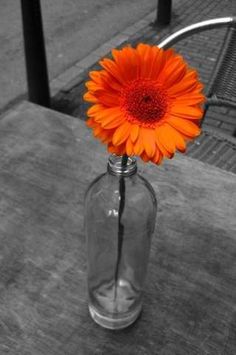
(195, 28)
(220, 102)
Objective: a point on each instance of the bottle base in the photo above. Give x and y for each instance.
(116, 322)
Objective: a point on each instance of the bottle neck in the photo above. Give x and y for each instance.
(115, 166)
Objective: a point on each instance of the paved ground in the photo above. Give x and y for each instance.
(200, 51)
(72, 28)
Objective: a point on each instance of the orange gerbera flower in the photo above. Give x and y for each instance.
(147, 102)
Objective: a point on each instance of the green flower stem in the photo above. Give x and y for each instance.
(120, 225)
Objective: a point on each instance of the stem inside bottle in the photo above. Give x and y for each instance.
(120, 225)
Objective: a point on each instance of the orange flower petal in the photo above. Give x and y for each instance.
(111, 148)
(102, 80)
(110, 82)
(169, 54)
(144, 157)
(129, 147)
(158, 157)
(128, 62)
(90, 122)
(153, 63)
(118, 150)
(95, 75)
(187, 84)
(173, 73)
(157, 63)
(104, 136)
(107, 112)
(164, 140)
(106, 98)
(121, 133)
(162, 149)
(90, 98)
(186, 127)
(134, 132)
(145, 54)
(95, 109)
(111, 67)
(148, 138)
(182, 87)
(113, 121)
(176, 137)
(138, 146)
(97, 130)
(91, 85)
(191, 98)
(188, 112)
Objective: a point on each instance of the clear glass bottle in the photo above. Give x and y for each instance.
(120, 212)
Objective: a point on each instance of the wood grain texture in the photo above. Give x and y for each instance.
(47, 161)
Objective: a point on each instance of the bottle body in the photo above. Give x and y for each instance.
(118, 245)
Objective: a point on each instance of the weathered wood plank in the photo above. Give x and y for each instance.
(46, 163)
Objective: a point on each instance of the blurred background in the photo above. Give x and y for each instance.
(72, 29)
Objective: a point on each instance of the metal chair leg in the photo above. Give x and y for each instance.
(35, 55)
(163, 12)
(206, 106)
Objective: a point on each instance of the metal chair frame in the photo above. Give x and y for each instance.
(214, 147)
(225, 55)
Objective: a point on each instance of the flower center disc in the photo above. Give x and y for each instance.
(144, 101)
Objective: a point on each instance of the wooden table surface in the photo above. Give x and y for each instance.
(46, 163)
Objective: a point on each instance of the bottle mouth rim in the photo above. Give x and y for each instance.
(115, 166)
